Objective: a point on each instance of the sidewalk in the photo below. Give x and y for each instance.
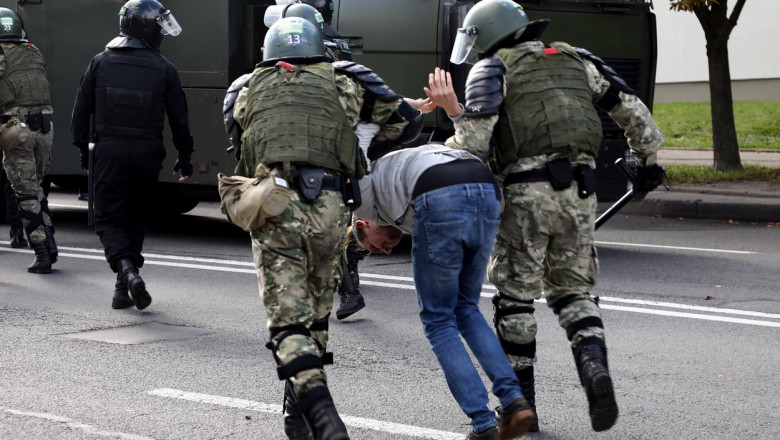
(738, 201)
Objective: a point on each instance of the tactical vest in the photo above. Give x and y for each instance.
(296, 117)
(24, 83)
(548, 106)
(130, 88)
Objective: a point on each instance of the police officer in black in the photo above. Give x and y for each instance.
(122, 100)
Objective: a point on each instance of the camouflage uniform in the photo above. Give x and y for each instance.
(545, 241)
(27, 148)
(297, 254)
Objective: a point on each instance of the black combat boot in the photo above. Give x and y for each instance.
(351, 301)
(121, 299)
(50, 243)
(135, 284)
(17, 237)
(294, 425)
(320, 413)
(42, 263)
(590, 356)
(526, 378)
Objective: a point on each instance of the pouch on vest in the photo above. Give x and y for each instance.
(249, 201)
(560, 173)
(309, 183)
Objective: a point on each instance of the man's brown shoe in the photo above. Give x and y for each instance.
(516, 419)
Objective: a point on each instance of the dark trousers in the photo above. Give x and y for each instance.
(125, 185)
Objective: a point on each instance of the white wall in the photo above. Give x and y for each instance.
(753, 52)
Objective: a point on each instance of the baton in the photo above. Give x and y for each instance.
(623, 201)
(91, 175)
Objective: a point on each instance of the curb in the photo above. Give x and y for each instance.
(710, 206)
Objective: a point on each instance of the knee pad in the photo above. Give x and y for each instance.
(297, 364)
(515, 326)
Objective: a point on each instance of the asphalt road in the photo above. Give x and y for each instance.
(691, 308)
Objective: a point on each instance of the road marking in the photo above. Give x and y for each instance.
(678, 248)
(355, 422)
(70, 423)
(222, 265)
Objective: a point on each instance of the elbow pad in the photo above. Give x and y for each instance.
(616, 83)
(485, 88)
(232, 128)
(374, 86)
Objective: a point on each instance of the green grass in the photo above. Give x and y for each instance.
(706, 174)
(689, 124)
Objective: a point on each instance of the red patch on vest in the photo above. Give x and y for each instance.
(550, 51)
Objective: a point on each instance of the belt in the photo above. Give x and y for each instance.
(43, 123)
(452, 173)
(536, 175)
(332, 183)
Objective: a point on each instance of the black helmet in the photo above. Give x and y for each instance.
(148, 21)
(11, 25)
(293, 39)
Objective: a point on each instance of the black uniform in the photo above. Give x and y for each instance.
(127, 91)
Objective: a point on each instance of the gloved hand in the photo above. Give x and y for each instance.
(648, 178)
(183, 164)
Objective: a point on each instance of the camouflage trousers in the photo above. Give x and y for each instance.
(298, 256)
(26, 159)
(544, 245)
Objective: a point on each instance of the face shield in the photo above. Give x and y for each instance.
(463, 49)
(169, 24)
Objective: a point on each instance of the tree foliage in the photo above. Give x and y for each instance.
(717, 25)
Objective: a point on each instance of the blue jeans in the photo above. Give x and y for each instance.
(454, 230)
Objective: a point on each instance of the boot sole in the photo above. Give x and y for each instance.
(520, 424)
(141, 297)
(604, 409)
(122, 304)
(39, 271)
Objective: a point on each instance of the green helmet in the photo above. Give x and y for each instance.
(488, 23)
(11, 25)
(293, 39)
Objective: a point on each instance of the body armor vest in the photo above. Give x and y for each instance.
(295, 116)
(129, 94)
(24, 83)
(548, 106)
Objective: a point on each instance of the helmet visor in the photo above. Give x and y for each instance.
(169, 24)
(463, 50)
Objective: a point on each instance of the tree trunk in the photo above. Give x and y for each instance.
(724, 132)
(717, 28)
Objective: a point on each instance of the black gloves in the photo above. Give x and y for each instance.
(184, 164)
(648, 178)
(84, 159)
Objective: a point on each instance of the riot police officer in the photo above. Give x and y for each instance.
(530, 113)
(294, 122)
(26, 135)
(125, 94)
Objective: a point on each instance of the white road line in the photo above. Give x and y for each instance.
(488, 289)
(72, 424)
(678, 248)
(356, 422)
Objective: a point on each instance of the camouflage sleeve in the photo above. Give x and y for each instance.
(644, 136)
(351, 97)
(473, 135)
(632, 115)
(382, 114)
(239, 107)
